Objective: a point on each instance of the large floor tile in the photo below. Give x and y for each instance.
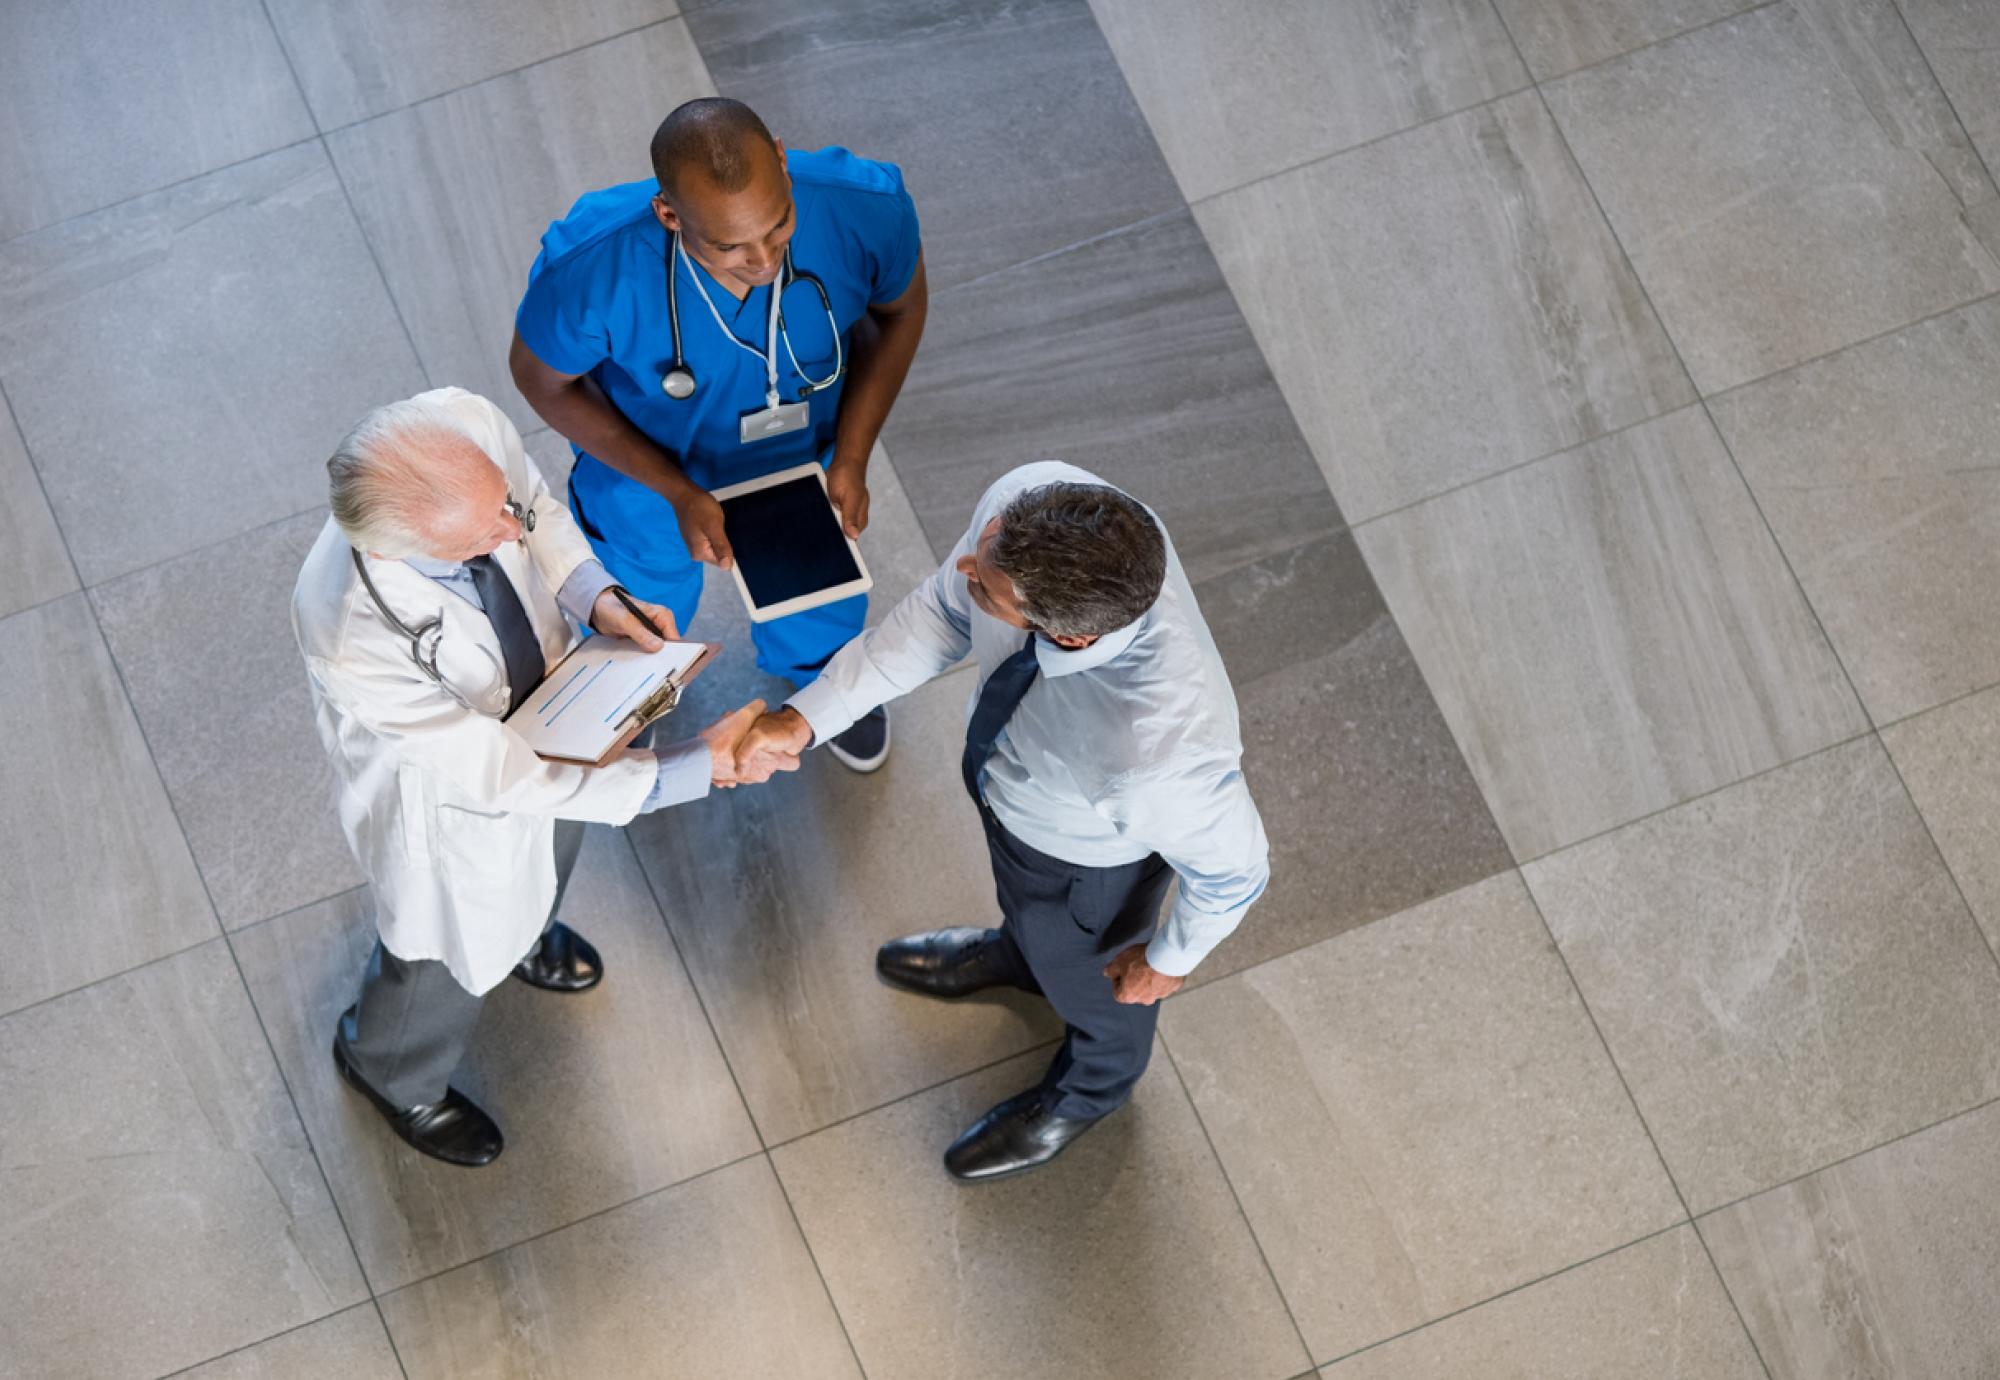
(162, 1203)
(1443, 304)
(1783, 971)
(1126, 356)
(93, 865)
(1770, 210)
(1239, 90)
(206, 646)
(107, 99)
(1009, 118)
(181, 365)
(455, 193)
(1368, 805)
(1417, 1116)
(1885, 1267)
(1651, 1310)
(1950, 759)
(1961, 40)
(1125, 1257)
(346, 1346)
(34, 564)
(363, 57)
(1610, 631)
(1558, 36)
(602, 1097)
(1876, 469)
(706, 1279)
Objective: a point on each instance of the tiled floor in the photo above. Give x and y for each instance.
(1579, 419)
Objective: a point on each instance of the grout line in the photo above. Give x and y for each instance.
(1916, 714)
(813, 1256)
(281, 1332)
(1931, 72)
(41, 485)
(108, 581)
(1046, 255)
(1640, 48)
(112, 977)
(1824, 355)
(916, 1092)
(1971, 915)
(272, 919)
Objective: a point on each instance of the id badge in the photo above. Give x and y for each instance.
(767, 422)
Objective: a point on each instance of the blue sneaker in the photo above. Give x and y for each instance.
(865, 746)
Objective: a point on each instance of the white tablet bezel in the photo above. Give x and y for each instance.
(819, 597)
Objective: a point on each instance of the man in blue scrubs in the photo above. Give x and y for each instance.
(593, 353)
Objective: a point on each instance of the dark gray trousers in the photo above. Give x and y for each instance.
(1061, 922)
(413, 1020)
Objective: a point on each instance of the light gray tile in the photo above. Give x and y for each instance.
(1558, 36)
(1417, 1116)
(1127, 1256)
(1879, 469)
(162, 1203)
(346, 1346)
(602, 1097)
(1961, 39)
(1883, 1267)
(1783, 971)
(1652, 1309)
(96, 874)
(456, 193)
(1610, 631)
(1772, 211)
(706, 1279)
(1950, 759)
(181, 365)
(1442, 304)
(206, 645)
(34, 564)
(363, 57)
(1238, 90)
(106, 100)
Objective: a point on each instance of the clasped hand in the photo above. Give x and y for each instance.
(730, 764)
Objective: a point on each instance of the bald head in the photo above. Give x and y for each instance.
(409, 480)
(718, 141)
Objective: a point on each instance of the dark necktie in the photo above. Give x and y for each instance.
(998, 699)
(518, 643)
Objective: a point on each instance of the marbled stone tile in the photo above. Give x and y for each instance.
(1651, 1310)
(364, 57)
(1783, 971)
(1127, 1256)
(34, 564)
(1879, 469)
(1238, 90)
(709, 1279)
(602, 1097)
(1950, 760)
(455, 193)
(106, 100)
(162, 1203)
(1417, 1116)
(1961, 40)
(346, 1346)
(1126, 356)
(1768, 198)
(182, 364)
(1014, 130)
(93, 865)
(1610, 631)
(1558, 36)
(1443, 304)
(206, 646)
(1884, 1267)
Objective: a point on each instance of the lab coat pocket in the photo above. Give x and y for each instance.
(475, 841)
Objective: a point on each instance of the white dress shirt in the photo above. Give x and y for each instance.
(1119, 750)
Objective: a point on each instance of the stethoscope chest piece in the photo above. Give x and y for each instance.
(678, 383)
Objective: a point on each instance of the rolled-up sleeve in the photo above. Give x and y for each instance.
(1206, 827)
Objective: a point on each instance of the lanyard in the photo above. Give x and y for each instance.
(769, 354)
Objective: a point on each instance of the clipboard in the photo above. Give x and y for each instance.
(604, 694)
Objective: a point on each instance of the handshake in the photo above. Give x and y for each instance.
(751, 745)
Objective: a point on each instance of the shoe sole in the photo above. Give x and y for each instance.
(861, 766)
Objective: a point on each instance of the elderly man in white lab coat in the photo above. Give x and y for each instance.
(446, 583)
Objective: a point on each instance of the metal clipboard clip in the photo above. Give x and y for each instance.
(657, 705)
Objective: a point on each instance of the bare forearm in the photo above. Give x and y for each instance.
(883, 349)
(580, 411)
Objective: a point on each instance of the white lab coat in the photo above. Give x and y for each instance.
(450, 814)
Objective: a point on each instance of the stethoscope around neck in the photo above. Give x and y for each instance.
(430, 631)
(679, 381)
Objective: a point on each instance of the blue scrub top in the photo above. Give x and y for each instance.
(597, 304)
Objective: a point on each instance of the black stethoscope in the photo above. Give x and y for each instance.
(679, 383)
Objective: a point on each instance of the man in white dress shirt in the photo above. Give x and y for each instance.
(1103, 752)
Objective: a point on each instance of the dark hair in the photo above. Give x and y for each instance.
(713, 135)
(1085, 559)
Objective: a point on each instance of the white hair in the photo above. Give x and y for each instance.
(394, 475)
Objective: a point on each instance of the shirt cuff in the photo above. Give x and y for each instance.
(578, 595)
(683, 776)
(826, 713)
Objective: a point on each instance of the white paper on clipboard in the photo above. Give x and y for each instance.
(584, 706)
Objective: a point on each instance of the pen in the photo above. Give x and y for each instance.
(637, 612)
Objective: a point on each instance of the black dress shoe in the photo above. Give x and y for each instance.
(1020, 1134)
(945, 963)
(454, 1130)
(563, 962)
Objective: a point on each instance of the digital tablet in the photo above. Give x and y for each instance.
(791, 552)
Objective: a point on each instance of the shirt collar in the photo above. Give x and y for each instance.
(1055, 660)
(433, 568)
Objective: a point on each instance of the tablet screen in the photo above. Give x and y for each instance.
(788, 541)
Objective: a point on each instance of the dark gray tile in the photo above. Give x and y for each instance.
(34, 564)
(1009, 118)
(1126, 356)
(1961, 40)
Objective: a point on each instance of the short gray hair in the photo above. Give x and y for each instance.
(387, 484)
(1085, 559)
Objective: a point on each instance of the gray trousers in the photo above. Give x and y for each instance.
(413, 1020)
